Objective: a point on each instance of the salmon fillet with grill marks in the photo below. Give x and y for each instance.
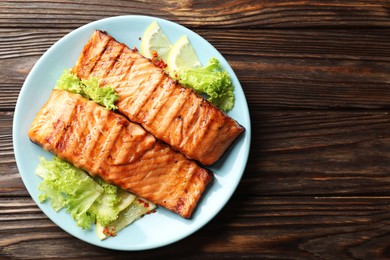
(106, 144)
(148, 96)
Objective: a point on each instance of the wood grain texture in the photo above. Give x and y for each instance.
(314, 153)
(205, 14)
(316, 76)
(252, 227)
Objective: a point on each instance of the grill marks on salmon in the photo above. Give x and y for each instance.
(106, 144)
(148, 96)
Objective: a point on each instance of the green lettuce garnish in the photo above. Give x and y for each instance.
(134, 211)
(106, 206)
(69, 187)
(88, 200)
(211, 80)
(90, 89)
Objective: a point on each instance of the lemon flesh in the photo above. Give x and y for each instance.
(182, 55)
(154, 39)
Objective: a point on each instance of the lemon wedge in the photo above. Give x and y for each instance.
(154, 39)
(182, 55)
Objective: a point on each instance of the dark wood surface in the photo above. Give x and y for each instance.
(316, 75)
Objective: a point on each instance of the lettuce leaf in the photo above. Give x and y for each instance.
(210, 80)
(89, 200)
(137, 209)
(68, 187)
(90, 89)
(106, 208)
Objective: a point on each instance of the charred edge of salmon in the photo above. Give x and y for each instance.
(207, 179)
(205, 153)
(55, 129)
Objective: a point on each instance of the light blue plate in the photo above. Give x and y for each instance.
(163, 227)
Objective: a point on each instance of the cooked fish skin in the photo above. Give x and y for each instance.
(108, 145)
(147, 95)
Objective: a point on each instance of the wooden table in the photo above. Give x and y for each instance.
(317, 79)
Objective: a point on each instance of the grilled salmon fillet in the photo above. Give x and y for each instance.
(108, 145)
(148, 96)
